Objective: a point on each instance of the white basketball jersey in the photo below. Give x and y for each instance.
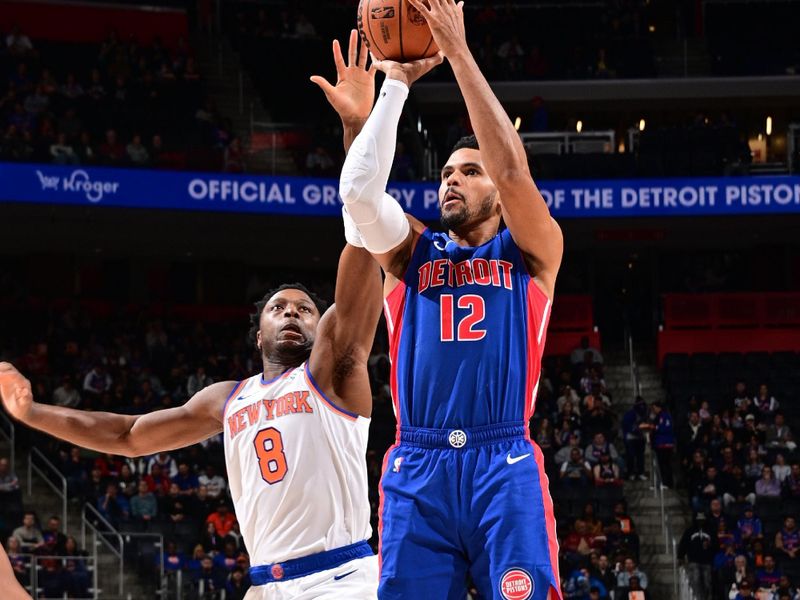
(297, 468)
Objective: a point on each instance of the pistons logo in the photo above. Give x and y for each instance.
(516, 584)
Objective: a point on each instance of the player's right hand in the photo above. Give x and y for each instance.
(15, 391)
(354, 92)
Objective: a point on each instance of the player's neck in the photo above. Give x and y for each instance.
(475, 234)
(276, 367)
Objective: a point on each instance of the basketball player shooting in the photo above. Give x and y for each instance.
(464, 488)
(295, 436)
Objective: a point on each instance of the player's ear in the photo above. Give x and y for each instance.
(258, 339)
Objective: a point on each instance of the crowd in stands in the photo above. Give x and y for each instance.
(741, 470)
(121, 104)
(576, 426)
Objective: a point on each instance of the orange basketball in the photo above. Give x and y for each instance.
(395, 30)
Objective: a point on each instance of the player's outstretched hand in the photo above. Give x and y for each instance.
(354, 92)
(15, 391)
(446, 20)
(407, 72)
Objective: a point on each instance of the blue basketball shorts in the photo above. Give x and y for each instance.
(472, 501)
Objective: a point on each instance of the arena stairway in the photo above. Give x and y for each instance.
(644, 505)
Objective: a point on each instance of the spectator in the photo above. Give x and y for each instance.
(769, 575)
(212, 541)
(18, 44)
(578, 354)
(319, 162)
(634, 438)
(20, 563)
(731, 577)
(222, 519)
(303, 28)
(186, 480)
(791, 486)
(9, 483)
(157, 482)
(597, 448)
(28, 534)
(779, 435)
(604, 573)
(137, 153)
(214, 483)
(197, 381)
(628, 571)
(84, 150)
(167, 464)
(749, 527)
(62, 152)
(127, 482)
(663, 442)
(767, 487)
(568, 394)
(97, 381)
(563, 455)
(66, 395)
(111, 151)
(54, 541)
(144, 507)
(173, 559)
(765, 403)
(780, 469)
(754, 466)
(787, 540)
(226, 560)
(112, 506)
(745, 591)
(71, 89)
(174, 506)
(237, 586)
(606, 473)
(576, 471)
(739, 489)
(698, 546)
(37, 103)
(209, 579)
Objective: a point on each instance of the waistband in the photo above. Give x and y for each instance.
(308, 565)
(467, 437)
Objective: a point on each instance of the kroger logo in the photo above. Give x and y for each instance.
(78, 181)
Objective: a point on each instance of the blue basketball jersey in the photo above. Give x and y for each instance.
(467, 332)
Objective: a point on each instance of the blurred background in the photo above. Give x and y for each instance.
(163, 165)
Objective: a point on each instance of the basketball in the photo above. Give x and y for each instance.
(395, 30)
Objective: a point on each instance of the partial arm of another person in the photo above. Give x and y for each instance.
(12, 590)
(126, 435)
(502, 152)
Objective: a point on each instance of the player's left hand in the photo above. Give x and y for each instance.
(354, 92)
(446, 20)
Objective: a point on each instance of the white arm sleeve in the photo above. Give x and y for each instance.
(362, 185)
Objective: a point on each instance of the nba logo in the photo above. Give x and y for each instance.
(397, 462)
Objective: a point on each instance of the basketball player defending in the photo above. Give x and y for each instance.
(295, 437)
(464, 488)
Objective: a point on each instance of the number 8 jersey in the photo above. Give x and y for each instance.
(296, 466)
(466, 330)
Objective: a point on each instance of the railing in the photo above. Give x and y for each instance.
(61, 491)
(8, 433)
(159, 545)
(34, 585)
(102, 537)
(570, 142)
(670, 541)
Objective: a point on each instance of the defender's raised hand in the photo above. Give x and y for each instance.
(15, 391)
(354, 92)
(446, 20)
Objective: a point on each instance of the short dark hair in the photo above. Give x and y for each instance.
(468, 141)
(255, 318)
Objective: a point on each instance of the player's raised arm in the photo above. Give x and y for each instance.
(502, 152)
(386, 231)
(126, 435)
(12, 590)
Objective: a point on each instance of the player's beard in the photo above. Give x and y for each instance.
(290, 354)
(456, 218)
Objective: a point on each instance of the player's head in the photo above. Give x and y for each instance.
(285, 323)
(467, 196)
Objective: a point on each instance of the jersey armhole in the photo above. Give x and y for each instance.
(236, 388)
(413, 260)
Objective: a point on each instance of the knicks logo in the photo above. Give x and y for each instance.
(516, 584)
